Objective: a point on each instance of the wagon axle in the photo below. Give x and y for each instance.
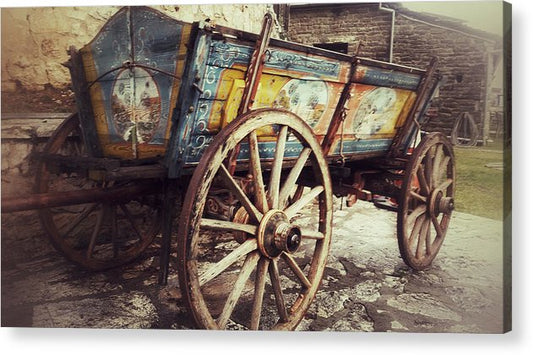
(444, 205)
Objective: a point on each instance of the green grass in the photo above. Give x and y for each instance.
(479, 189)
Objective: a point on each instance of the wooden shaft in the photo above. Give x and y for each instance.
(77, 197)
(253, 75)
(337, 117)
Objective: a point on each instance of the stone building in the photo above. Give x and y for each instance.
(389, 32)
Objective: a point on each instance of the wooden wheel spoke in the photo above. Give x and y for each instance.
(443, 167)
(445, 184)
(415, 214)
(422, 180)
(78, 219)
(419, 197)
(238, 287)
(297, 270)
(275, 175)
(303, 201)
(422, 238)
(416, 229)
(428, 240)
(259, 291)
(245, 248)
(96, 231)
(130, 218)
(216, 224)
(255, 166)
(294, 174)
(309, 234)
(437, 226)
(239, 193)
(428, 170)
(436, 172)
(278, 292)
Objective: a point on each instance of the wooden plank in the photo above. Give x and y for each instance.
(83, 101)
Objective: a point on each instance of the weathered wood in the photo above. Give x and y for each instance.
(241, 196)
(255, 68)
(96, 231)
(308, 234)
(154, 171)
(278, 291)
(303, 201)
(290, 182)
(216, 224)
(255, 167)
(340, 111)
(192, 252)
(76, 197)
(297, 270)
(237, 288)
(259, 292)
(83, 102)
(277, 164)
(244, 249)
(426, 201)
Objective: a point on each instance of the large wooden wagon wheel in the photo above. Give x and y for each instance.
(261, 268)
(426, 201)
(97, 235)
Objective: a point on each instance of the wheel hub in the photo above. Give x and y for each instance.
(440, 204)
(276, 235)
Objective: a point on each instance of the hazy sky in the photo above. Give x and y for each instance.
(483, 15)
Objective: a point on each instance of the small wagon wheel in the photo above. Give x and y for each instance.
(99, 235)
(426, 201)
(268, 279)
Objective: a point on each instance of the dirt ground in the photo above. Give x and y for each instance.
(366, 287)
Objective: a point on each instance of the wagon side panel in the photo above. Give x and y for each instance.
(380, 102)
(306, 84)
(133, 71)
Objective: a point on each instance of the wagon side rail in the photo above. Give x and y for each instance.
(425, 91)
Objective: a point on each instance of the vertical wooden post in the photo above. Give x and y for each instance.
(167, 218)
(338, 115)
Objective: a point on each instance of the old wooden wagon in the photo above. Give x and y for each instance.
(248, 139)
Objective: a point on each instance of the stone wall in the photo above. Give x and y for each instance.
(462, 52)
(463, 63)
(354, 25)
(35, 40)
